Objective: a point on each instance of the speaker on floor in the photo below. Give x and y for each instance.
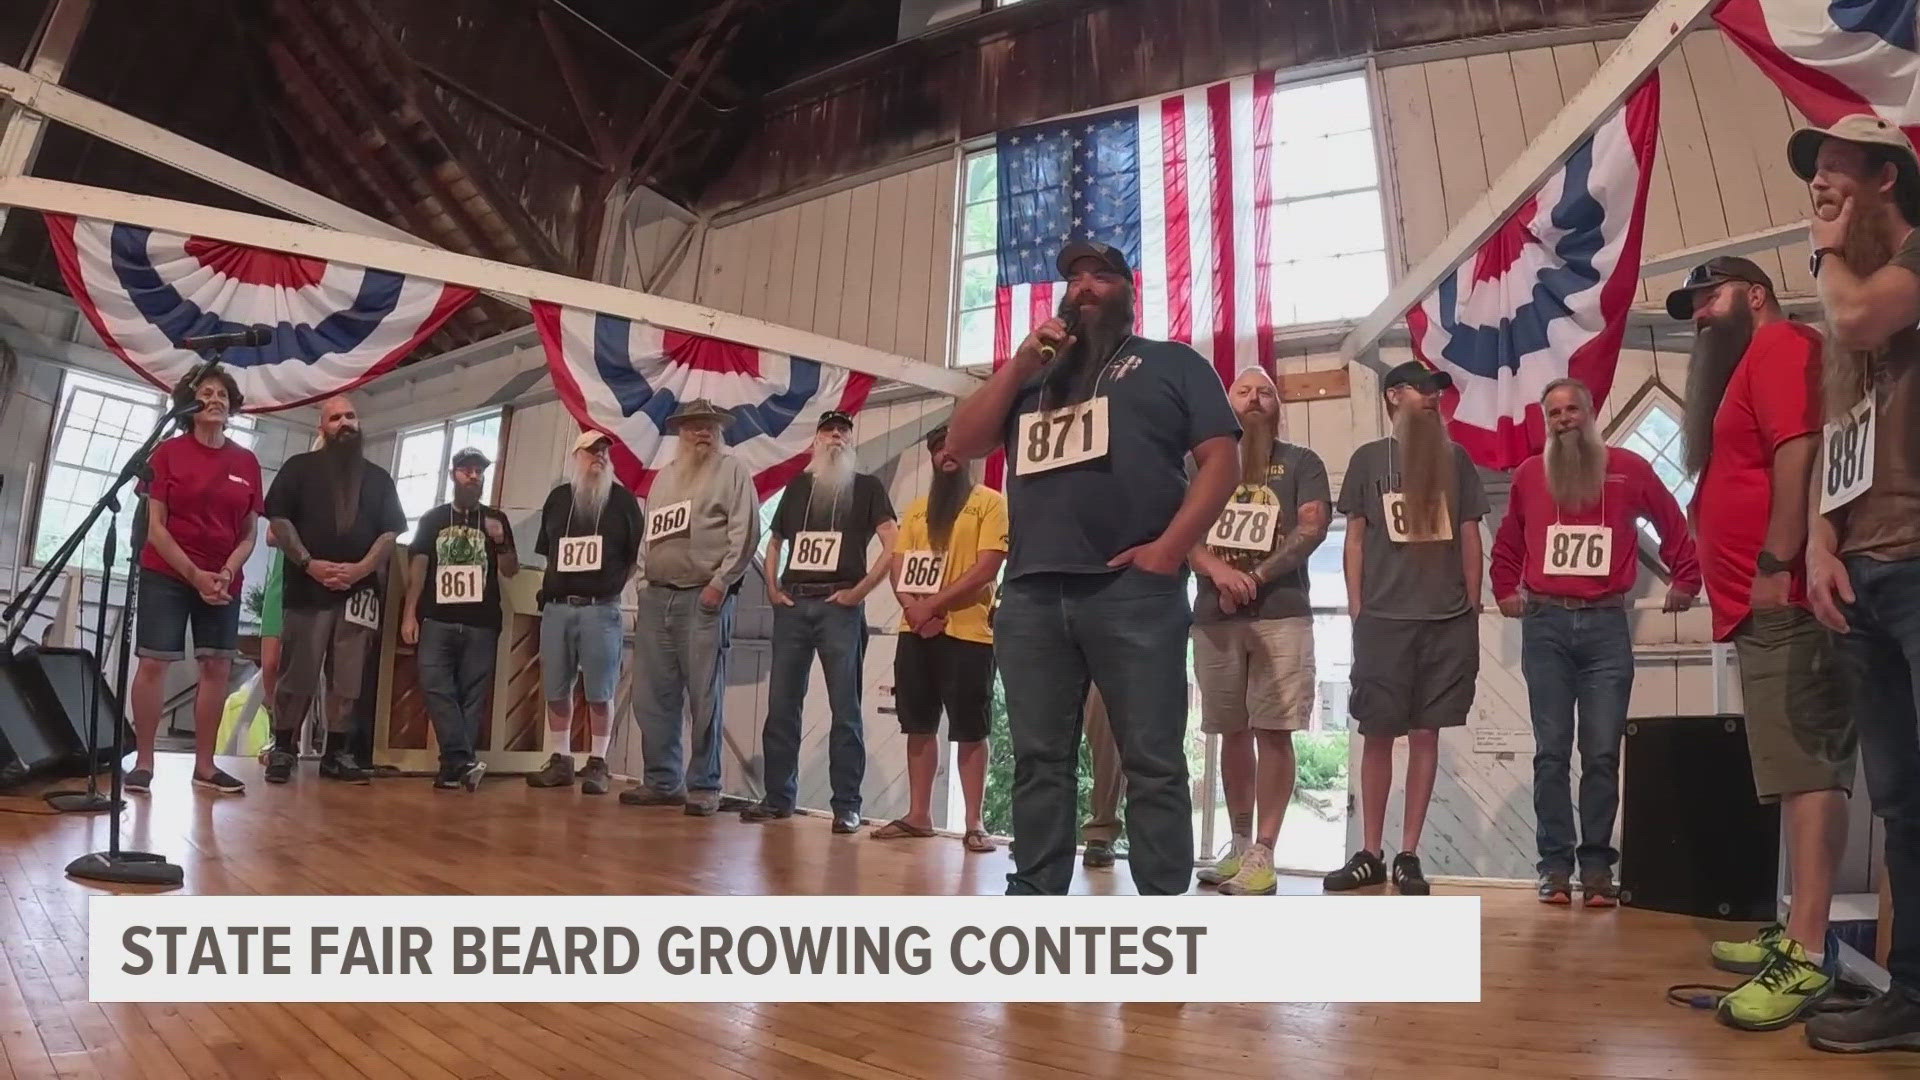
(1694, 838)
(67, 674)
(35, 738)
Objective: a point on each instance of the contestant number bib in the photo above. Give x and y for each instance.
(1395, 505)
(1846, 457)
(363, 609)
(1061, 437)
(1245, 526)
(920, 572)
(579, 554)
(457, 585)
(1578, 551)
(669, 520)
(816, 551)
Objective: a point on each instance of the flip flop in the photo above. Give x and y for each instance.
(900, 829)
(978, 841)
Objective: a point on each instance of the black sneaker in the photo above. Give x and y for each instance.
(138, 781)
(1098, 856)
(221, 781)
(280, 766)
(1890, 1022)
(448, 777)
(759, 812)
(595, 779)
(340, 766)
(557, 772)
(1597, 887)
(1362, 871)
(1556, 888)
(471, 776)
(1407, 876)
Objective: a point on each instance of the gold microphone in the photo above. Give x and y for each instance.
(1072, 323)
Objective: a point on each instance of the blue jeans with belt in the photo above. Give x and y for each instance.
(839, 635)
(1881, 653)
(1576, 660)
(1125, 633)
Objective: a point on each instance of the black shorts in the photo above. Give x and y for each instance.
(1413, 674)
(931, 674)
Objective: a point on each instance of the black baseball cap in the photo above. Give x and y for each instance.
(1715, 271)
(937, 438)
(469, 454)
(1110, 257)
(1417, 375)
(832, 417)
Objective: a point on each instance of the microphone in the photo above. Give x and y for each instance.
(251, 337)
(1072, 321)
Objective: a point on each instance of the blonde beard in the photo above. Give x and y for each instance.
(590, 493)
(1576, 463)
(1256, 447)
(1428, 476)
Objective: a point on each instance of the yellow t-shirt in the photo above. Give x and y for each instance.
(981, 526)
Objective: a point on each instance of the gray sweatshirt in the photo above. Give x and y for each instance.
(717, 546)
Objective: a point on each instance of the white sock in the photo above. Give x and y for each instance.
(1817, 959)
(600, 744)
(1241, 842)
(556, 739)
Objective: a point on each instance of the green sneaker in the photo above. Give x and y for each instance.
(1256, 877)
(1749, 956)
(1224, 870)
(1787, 987)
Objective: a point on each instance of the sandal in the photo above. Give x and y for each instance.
(978, 841)
(901, 829)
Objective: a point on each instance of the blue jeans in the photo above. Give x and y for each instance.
(680, 651)
(456, 673)
(1881, 654)
(582, 640)
(1576, 658)
(839, 635)
(1125, 632)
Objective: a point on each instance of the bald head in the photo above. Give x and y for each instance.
(1253, 394)
(339, 421)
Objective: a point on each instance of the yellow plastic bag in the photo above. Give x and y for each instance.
(236, 740)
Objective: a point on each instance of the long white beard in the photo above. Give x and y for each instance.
(1576, 464)
(691, 465)
(590, 492)
(832, 469)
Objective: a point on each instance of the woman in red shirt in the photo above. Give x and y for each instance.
(202, 503)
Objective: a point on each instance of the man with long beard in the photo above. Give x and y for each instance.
(952, 543)
(702, 522)
(335, 515)
(460, 551)
(1097, 424)
(590, 534)
(1752, 426)
(1413, 503)
(829, 515)
(1570, 536)
(1863, 549)
(1253, 630)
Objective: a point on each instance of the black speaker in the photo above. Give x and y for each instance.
(66, 673)
(1694, 838)
(35, 739)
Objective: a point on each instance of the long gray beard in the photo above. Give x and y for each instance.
(1576, 464)
(1428, 475)
(832, 470)
(590, 492)
(691, 467)
(946, 497)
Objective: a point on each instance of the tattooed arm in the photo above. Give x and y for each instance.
(1293, 549)
(287, 539)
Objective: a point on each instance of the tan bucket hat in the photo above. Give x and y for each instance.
(697, 409)
(1863, 129)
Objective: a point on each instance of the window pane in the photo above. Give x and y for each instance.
(1321, 290)
(1328, 108)
(982, 229)
(979, 280)
(983, 178)
(1334, 163)
(1337, 225)
(976, 338)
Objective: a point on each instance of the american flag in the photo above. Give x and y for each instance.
(1183, 185)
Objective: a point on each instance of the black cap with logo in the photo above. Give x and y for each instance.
(1110, 257)
(1417, 375)
(1715, 271)
(834, 418)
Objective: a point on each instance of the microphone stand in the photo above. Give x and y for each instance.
(114, 864)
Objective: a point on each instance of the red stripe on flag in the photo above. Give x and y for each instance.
(1173, 127)
(1225, 259)
(1041, 307)
(1823, 97)
(1262, 261)
(1002, 325)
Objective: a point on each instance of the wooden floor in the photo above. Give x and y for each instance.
(1567, 993)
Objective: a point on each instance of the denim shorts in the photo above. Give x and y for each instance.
(585, 640)
(167, 606)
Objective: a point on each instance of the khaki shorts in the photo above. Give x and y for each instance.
(1799, 726)
(1254, 673)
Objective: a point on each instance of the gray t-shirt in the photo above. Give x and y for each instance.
(1296, 476)
(1407, 580)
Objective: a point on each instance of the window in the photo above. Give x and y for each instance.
(1652, 429)
(101, 422)
(1328, 259)
(424, 454)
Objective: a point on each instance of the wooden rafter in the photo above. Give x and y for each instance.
(696, 66)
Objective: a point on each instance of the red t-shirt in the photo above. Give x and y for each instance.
(209, 494)
(1773, 398)
(1633, 491)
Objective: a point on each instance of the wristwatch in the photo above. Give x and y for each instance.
(1770, 565)
(1813, 261)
